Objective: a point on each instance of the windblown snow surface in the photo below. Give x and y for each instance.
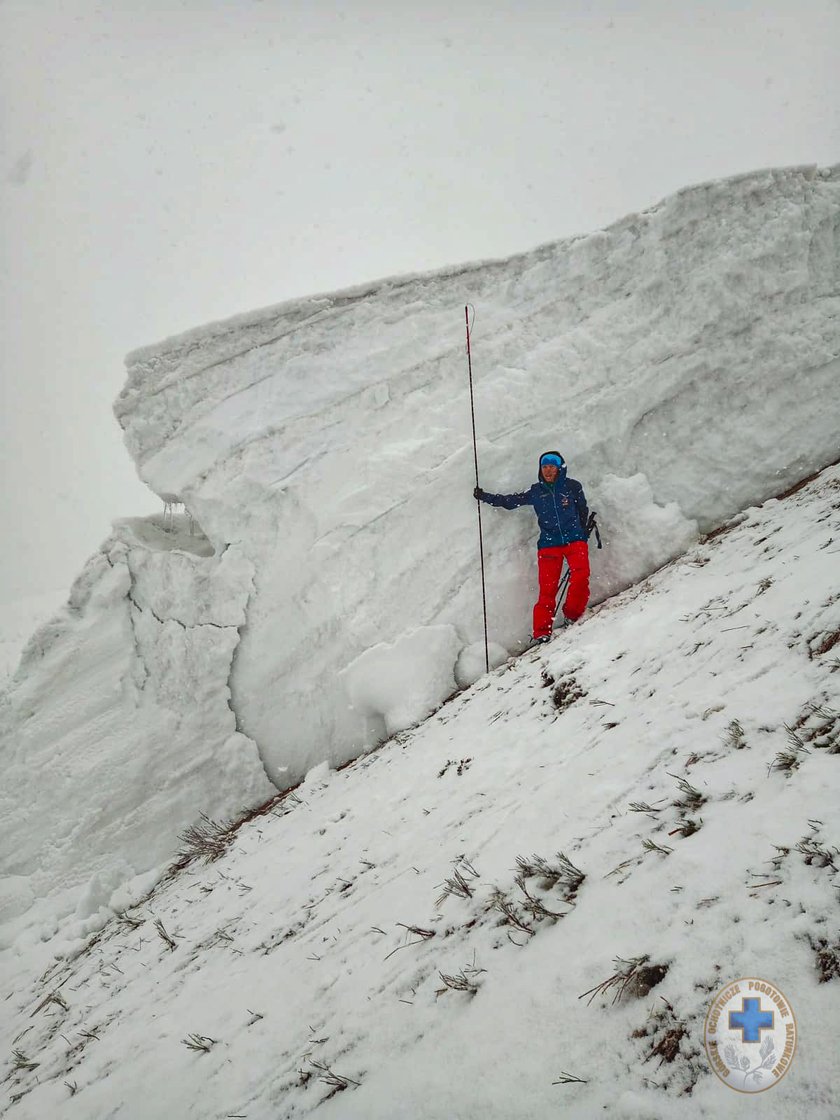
(327, 593)
(401, 938)
(19, 618)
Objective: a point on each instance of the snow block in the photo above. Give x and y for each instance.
(686, 361)
(397, 685)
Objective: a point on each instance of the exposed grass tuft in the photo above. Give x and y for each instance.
(691, 799)
(167, 938)
(734, 738)
(457, 885)
(827, 960)
(687, 826)
(126, 919)
(786, 762)
(667, 1032)
(199, 1042)
(819, 727)
(815, 854)
(535, 906)
(565, 693)
(498, 900)
(207, 840)
(463, 981)
(643, 807)
(20, 1062)
(337, 1081)
(420, 935)
(822, 642)
(562, 872)
(634, 978)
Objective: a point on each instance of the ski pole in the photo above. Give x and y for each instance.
(561, 590)
(478, 503)
(591, 527)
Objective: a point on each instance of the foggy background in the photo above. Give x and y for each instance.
(167, 165)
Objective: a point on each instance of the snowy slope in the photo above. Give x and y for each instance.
(685, 360)
(309, 969)
(18, 620)
(97, 751)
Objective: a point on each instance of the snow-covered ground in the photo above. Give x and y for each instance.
(401, 938)
(685, 360)
(682, 360)
(18, 620)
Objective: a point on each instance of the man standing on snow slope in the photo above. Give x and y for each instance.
(562, 513)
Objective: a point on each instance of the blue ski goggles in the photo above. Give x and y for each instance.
(555, 459)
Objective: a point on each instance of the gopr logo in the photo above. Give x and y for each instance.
(750, 1035)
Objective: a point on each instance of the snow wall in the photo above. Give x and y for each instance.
(686, 361)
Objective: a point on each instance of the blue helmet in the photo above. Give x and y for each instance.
(552, 457)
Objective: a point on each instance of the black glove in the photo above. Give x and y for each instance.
(478, 494)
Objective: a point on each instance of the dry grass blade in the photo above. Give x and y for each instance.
(535, 907)
(735, 738)
(562, 871)
(634, 977)
(827, 960)
(456, 885)
(21, 1062)
(788, 761)
(569, 1079)
(125, 919)
(642, 807)
(667, 1048)
(815, 853)
(53, 998)
(692, 798)
(168, 940)
(207, 840)
(632, 862)
(421, 935)
(330, 1077)
(687, 827)
(199, 1042)
(671, 1032)
(498, 900)
(461, 982)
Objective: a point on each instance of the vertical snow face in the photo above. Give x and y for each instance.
(686, 360)
(117, 731)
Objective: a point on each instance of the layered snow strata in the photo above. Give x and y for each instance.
(117, 730)
(686, 360)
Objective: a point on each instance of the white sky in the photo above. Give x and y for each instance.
(164, 165)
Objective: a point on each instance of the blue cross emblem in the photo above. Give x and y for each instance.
(751, 1020)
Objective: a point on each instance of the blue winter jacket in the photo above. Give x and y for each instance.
(560, 508)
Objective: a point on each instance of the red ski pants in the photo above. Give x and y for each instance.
(550, 565)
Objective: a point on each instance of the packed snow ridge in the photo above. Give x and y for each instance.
(325, 591)
(523, 908)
